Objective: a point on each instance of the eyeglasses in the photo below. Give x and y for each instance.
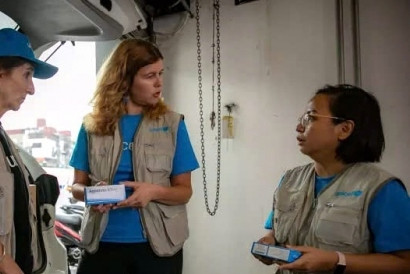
(307, 118)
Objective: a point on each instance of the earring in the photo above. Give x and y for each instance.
(125, 97)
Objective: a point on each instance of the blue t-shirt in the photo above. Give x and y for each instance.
(388, 216)
(124, 225)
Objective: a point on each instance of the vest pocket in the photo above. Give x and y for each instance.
(337, 226)
(175, 222)
(158, 163)
(6, 202)
(86, 229)
(286, 209)
(159, 168)
(88, 226)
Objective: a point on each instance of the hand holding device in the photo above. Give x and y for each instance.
(275, 252)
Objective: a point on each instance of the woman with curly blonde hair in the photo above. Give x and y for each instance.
(132, 138)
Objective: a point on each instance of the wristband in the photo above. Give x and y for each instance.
(3, 254)
(341, 264)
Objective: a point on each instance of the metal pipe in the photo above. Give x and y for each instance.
(340, 41)
(356, 44)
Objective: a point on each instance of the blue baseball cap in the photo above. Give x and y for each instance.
(16, 44)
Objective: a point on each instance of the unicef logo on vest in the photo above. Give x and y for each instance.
(356, 193)
(159, 129)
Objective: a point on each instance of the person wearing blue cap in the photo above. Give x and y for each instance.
(19, 237)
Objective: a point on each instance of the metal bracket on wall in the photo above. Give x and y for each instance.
(348, 42)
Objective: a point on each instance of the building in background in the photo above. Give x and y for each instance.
(51, 148)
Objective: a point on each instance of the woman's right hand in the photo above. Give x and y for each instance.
(268, 239)
(9, 266)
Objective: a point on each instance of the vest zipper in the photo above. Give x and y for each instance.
(141, 214)
(314, 204)
(117, 160)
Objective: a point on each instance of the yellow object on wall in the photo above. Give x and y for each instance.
(227, 127)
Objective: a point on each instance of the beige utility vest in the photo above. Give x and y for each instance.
(7, 231)
(166, 226)
(337, 218)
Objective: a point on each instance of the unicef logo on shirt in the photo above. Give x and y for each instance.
(127, 146)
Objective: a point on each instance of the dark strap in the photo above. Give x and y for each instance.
(22, 226)
(340, 269)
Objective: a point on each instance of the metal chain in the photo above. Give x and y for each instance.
(201, 112)
(213, 115)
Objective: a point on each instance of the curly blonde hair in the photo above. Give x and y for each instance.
(114, 80)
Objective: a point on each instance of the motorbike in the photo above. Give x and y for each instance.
(66, 227)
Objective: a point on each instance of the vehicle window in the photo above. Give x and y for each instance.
(6, 21)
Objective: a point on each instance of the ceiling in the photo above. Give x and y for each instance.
(46, 21)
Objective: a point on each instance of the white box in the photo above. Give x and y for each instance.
(106, 194)
(275, 252)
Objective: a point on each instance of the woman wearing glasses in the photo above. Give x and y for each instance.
(342, 212)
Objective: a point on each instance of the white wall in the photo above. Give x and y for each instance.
(386, 72)
(275, 54)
